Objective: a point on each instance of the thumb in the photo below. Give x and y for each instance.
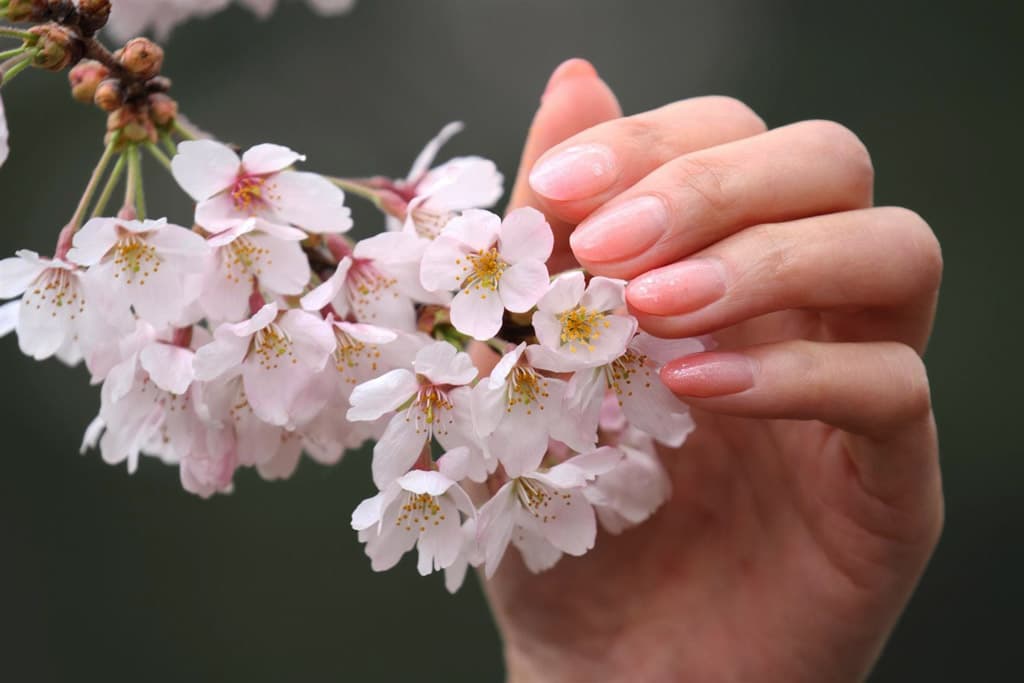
(575, 99)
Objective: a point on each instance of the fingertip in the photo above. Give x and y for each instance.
(568, 70)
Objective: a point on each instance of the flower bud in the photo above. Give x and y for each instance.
(93, 14)
(85, 77)
(162, 109)
(142, 57)
(56, 47)
(109, 96)
(135, 127)
(26, 10)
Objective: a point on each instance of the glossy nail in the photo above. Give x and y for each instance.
(683, 287)
(621, 232)
(575, 173)
(706, 375)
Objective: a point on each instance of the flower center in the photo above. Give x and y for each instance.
(350, 353)
(56, 288)
(430, 409)
(526, 388)
(134, 257)
(581, 326)
(622, 371)
(244, 259)
(482, 270)
(248, 193)
(429, 224)
(366, 286)
(537, 498)
(272, 346)
(419, 511)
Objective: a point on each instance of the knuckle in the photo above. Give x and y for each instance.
(732, 109)
(703, 178)
(777, 259)
(843, 143)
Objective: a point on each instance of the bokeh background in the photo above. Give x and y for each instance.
(107, 577)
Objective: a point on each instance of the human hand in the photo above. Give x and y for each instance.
(808, 501)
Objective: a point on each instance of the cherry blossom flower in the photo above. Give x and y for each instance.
(366, 290)
(419, 508)
(634, 489)
(432, 402)
(548, 503)
(278, 356)
(469, 555)
(260, 185)
(52, 303)
(495, 265)
(577, 326)
(634, 380)
(516, 410)
(151, 266)
(246, 256)
(431, 197)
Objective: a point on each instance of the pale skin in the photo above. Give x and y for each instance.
(808, 501)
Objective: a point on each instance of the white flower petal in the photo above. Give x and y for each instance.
(522, 285)
(570, 525)
(397, 450)
(204, 167)
(311, 202)
(426, 157)
(222, 355)
(445, 264)
(170, 367)
(495, 524)
(312, 339)
(326, 292)
(442, 363)
(219, 213)
(477, 312)
(564, 294)
(370, 400)
(92, 241)
(425, 481)
(475, 228)
(8, 317)
(16, 274)
(604, 294)
(267, 158)
(526, 236)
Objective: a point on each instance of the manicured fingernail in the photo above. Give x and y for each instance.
(575, 173)
(567, 70)
(705, 375)
(684, 287)
(621, 232)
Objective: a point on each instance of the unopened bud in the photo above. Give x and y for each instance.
(142, 57)
(109, 96)
(162, 109)
(56, 47)
(85, 77)
(26, 10)
(93, 14)
(134, 126)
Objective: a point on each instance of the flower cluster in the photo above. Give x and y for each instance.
(257, 330)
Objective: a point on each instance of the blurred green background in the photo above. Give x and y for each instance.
(107, 577)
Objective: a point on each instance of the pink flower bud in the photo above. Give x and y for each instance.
(85, 77)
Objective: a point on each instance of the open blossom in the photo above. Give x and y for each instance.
(433, 196)
(52, 303)
(633, 379)
(260, 185)
(577, 326)
(151, 266)
(634, 489)
(515, 412)
(419, 508)
(547, 503)
(277, 355)
(432, 401)
(494, 265)
(368, 291)
(248, 255)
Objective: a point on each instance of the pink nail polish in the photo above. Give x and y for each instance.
(621, 232)
(706, 375)
(575, 173)
(681, 288)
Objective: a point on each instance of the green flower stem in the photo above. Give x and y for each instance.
(94, 182)
(13, 67)
(185, 131)
(8, 32)
(356, 189)
(7, 54)
(134, 192)
(112, 181)
(169, 145)
(158, 155)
